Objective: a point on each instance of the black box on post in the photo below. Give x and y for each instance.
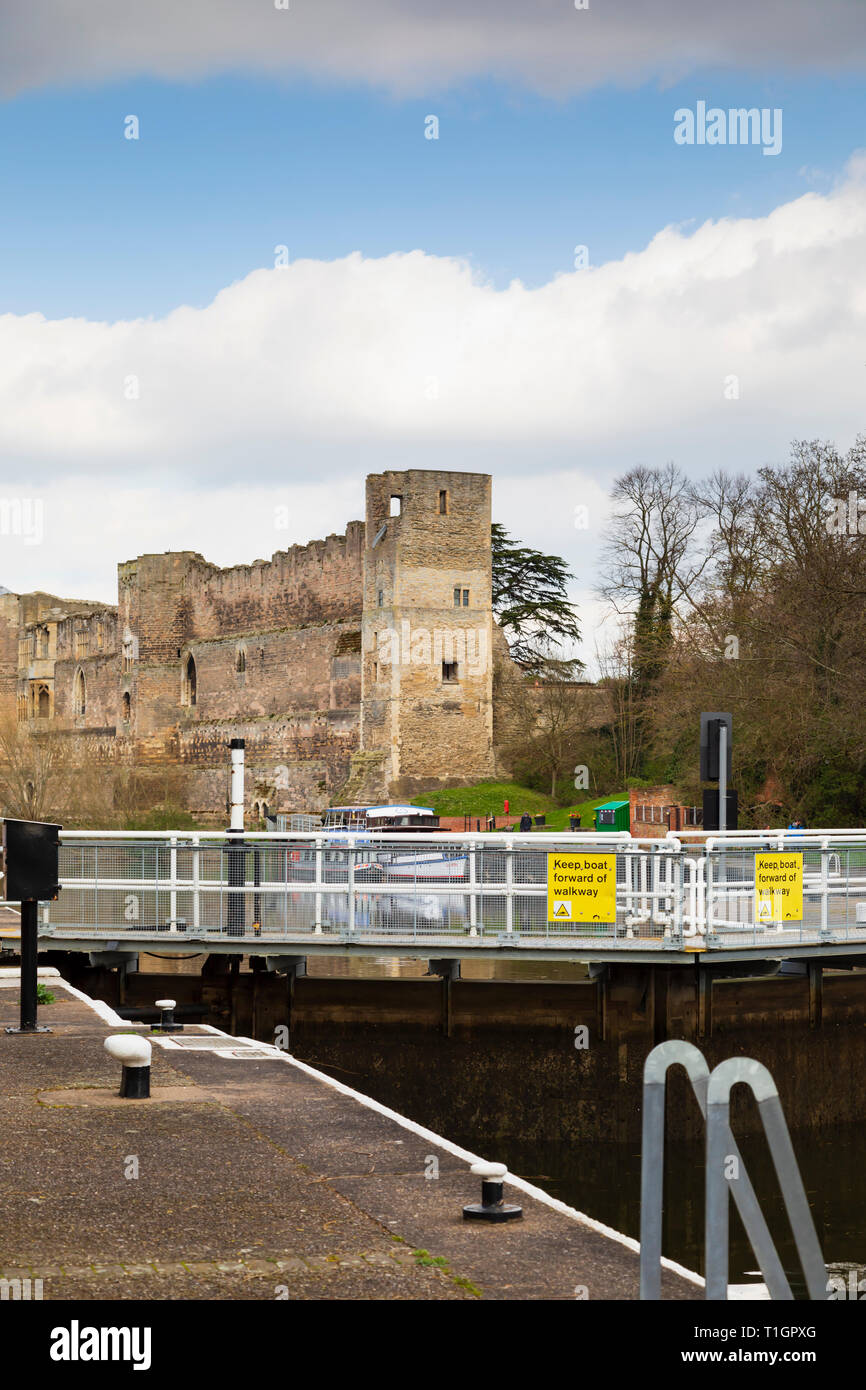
(31, 861)
(711, 809)
(710, 764)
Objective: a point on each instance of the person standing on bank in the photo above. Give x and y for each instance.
(525, 823)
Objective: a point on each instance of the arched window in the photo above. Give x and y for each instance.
(44, 705)
(241, 659)
(188, 687)
(80, 692)
(126, 707)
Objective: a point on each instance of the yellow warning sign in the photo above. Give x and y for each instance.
(778, 887)
(581, 887)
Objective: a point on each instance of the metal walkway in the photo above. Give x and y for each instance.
(450, 895)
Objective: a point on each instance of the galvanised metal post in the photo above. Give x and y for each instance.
(720, 1152)
(685, 1054)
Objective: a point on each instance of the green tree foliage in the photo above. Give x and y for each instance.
(531, 605)
(776, 632)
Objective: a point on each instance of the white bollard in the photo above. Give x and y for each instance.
(491, 1207)
(135, 1053)
(166, 1018)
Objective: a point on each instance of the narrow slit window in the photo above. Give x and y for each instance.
(443, 501)
(396, 505)
(80, 693)
(449, 672)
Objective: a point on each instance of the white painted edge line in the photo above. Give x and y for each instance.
(106, 1013)
(537, 1193)
(10, 975)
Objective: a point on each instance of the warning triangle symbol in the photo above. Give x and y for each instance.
(562, 909)
(764, 907)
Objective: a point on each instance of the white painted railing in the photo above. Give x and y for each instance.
(447, 890)
(478, 889)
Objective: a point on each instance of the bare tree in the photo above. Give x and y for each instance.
(652, 559)
(35, 771)
(625, 723)
(547, 715)
(737, 545)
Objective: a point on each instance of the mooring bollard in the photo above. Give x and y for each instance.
(166, 1017)
(134, 1053)
(491, 1207)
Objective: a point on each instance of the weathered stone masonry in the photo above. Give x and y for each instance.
(360, 664)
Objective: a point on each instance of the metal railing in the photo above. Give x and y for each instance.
(480, 889)
(732, 907)
(441, 887)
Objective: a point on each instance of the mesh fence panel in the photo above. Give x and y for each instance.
(433, 890)
(390, 890)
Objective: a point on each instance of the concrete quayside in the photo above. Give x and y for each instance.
(250, 1175)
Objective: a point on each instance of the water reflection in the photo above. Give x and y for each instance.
(603, 1180)
(384, 968)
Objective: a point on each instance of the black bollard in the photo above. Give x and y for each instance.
(166, 1018)
(491, 1207)
(134, 1052)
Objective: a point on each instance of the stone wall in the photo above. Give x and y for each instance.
(428, 628)
(361, 662)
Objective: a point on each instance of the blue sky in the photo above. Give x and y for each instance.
(152, 426)
(227, 168)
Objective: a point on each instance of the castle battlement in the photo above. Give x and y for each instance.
(295, 647)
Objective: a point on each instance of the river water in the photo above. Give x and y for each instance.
(603, 1179)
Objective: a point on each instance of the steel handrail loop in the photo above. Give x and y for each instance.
(763, 1087)
(661, 1058)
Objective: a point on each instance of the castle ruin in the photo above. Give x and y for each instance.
(359, 666)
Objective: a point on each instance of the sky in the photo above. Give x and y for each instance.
(463, 236)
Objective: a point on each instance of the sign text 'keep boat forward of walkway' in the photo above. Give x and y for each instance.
(778, 887)
(581, 887)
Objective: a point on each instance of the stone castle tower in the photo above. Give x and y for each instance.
(427, 627)
(358, 667)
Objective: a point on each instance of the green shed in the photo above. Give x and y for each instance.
(612, 815)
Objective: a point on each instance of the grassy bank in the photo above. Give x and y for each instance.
(488, 799)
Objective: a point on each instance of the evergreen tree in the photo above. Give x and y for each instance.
(531, 605)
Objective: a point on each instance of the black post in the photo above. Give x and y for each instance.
(29, 955)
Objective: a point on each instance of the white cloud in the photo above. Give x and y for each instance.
(410, 359)
(294, 383)
(413, 45)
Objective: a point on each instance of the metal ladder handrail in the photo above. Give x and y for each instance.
(763, 1088)
(660, 1059)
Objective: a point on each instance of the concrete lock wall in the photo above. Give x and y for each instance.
(502, 1055)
